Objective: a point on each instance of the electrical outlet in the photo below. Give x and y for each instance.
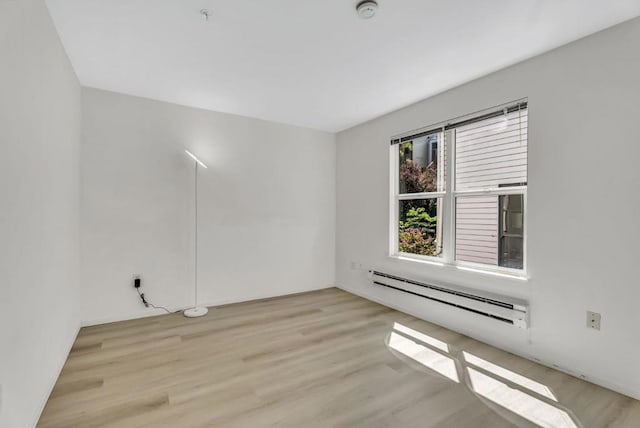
(354, 266)
(593, 320)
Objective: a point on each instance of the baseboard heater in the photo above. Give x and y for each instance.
(500, 308)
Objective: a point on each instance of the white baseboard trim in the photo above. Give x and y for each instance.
(149, 312)
(600, 382)
(156, 312)
(261, 296)
(52, 383)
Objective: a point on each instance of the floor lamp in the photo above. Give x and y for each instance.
(196, 311)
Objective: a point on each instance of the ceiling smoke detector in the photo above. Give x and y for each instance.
(367, 9)
(205, 14)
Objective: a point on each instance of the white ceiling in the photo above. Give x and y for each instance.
(312, 63)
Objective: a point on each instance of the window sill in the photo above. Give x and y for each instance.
(463, 267)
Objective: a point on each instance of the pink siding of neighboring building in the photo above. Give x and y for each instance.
(477, 229)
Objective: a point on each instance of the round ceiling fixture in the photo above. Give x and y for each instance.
(367, 9)
(205, 14)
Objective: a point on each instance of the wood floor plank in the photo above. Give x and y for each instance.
(320, 359)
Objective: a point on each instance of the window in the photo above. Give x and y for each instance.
(477, 218)
(419, 205)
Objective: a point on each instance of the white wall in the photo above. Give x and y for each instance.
(267, 206)
(584, 211)
(39, 189)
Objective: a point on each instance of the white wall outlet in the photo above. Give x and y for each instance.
(353, 265)
(593, 320)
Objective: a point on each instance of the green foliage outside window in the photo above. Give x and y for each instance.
(418, 218)
(417, 232)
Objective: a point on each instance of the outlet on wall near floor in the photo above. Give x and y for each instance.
(593, 320)
(356, 266)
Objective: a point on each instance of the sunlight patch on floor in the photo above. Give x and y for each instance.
(433, 360)
(523, 381)
(535, 402)
(407, 331)
(533, 409)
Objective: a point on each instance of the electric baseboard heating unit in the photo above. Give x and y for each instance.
(500, 308)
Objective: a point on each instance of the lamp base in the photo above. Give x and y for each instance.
(198, 311)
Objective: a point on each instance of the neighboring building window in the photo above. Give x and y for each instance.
(478, 218)
(511, 243)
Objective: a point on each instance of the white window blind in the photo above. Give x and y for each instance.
(493, 152)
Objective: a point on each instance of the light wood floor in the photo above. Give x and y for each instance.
(319, 359)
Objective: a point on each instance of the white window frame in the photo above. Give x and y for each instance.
(395, 207)
(448, 199)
